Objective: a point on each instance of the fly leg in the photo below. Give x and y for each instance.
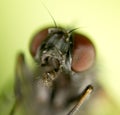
(23, 79)
(86, 92)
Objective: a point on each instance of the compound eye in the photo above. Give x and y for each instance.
(83, 55)
(37, 40)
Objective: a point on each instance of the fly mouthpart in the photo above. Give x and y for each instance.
(48, 78)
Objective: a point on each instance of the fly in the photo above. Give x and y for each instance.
(61, 84)
(61, 81)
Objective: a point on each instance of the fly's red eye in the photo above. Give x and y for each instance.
(83, 53)
(37, 40)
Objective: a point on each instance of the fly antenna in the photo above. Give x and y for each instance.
(73, 30)
(49, 14)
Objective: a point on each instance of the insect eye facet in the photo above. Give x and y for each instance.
(37, 40)
(83, 53)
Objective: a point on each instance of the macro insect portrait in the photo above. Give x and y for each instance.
(62, 78)
(60, 83)
(61, 59)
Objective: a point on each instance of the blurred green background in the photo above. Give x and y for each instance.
(99, 19)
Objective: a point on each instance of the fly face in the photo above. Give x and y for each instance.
(63, 58)
(54, 54)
